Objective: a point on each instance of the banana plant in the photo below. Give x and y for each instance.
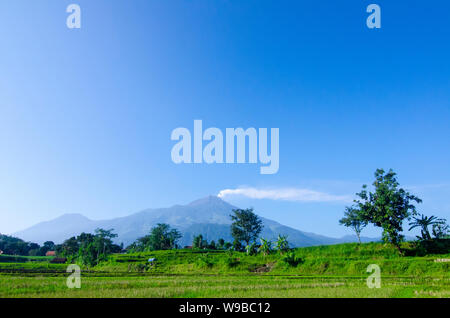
(266, 247)
(251, 249)
(282, 243)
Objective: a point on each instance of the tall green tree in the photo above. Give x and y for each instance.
(354, 220)
(199, 242)
(103, 243)
(388, 206)
(220, 243)
(69, 247)
(161, 237)
(87, 254)
(89, 249)
(246, 225)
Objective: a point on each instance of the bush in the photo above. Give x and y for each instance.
(138, 267)
(205, 261)
(292, 260)
(232, 261)
(427, 247)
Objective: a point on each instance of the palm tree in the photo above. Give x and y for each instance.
(282, 243)
(424, 222)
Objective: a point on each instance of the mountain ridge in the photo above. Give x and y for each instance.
(209, 216)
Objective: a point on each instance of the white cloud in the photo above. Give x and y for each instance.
(285, 194)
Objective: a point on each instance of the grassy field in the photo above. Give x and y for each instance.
(323, 271)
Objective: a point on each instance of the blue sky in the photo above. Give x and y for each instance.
(86, 115)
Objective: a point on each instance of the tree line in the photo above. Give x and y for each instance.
(89, 249)
(86, 248)
(15, 246)
(245, 229)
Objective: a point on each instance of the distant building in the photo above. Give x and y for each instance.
(58, 260)
(188, 247)
(50, 253)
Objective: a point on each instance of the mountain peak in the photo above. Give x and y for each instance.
(211, 199)
(73, 216)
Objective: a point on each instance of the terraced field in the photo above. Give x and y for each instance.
(324, 271)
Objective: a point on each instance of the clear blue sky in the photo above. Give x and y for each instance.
(86, 115)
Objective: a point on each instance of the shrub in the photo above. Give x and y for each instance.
(232, 262)
(205, 261)
(292, 260)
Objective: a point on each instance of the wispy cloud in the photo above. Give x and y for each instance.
(285, 194)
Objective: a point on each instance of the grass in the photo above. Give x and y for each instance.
(23, 259)
(323, 271)
(221, 286)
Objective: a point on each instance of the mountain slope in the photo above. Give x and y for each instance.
(209, 216)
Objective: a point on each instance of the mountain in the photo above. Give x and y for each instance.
(209, 216)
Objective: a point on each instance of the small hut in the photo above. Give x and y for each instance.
(59, 260)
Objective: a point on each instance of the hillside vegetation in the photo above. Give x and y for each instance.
(349, 259)
(344, 260)
(322, 271)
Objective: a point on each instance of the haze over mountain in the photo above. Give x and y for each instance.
(209, 216)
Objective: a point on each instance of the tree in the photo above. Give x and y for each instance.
(353, 219)
(424, 222)
(282, 243)
(265, 247)
(199, 242)
(15, 246)
(34, 249)
(387, 207)
(237, 245)
(220, 243)
(441, 229)
(246, 225)
(49, 245)
(161, 237)
(87, 254)
(69, 247)
(227, 246)
(103, 243)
